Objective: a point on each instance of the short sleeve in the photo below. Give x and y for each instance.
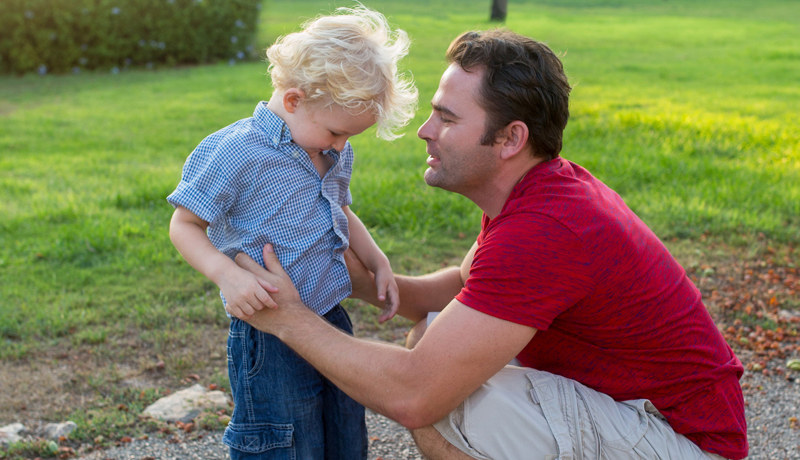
(207, 186)
(528, 269)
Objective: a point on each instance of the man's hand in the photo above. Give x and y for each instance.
(285, 295)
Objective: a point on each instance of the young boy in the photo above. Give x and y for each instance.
(282, 177)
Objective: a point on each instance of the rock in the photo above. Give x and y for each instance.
(55, 431)
(185, 405)
(10, 433)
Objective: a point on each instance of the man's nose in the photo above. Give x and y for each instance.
(424, 131)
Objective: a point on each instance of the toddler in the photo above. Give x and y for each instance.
(282, 177)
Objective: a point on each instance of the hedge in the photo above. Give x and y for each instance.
(57, 36)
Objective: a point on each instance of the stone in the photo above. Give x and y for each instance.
(11, 433)
(55, 431)
(185, 405)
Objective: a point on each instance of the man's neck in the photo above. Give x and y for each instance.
(493, 198)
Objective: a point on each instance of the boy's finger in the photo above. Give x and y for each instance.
(266, 300)
(248, 309)
(267, 286)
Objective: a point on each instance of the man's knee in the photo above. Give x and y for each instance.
(433, 446)
(415, 334)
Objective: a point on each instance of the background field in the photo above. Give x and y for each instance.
(688, 109)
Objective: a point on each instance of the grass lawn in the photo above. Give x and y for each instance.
(689, 110)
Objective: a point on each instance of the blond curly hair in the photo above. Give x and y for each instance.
(348, 59)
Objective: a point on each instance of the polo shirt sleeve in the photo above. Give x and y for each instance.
(528, 269)
(208, 180)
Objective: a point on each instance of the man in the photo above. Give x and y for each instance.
(621, 359)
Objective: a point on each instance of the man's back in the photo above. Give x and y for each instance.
(612, 307)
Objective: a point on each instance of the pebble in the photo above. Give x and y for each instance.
(772, 409)
(388, 440)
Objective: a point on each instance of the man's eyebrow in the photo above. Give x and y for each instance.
(445, 110)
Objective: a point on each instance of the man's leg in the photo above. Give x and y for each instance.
(429, 442)
(525, 413)
(415, 334)
(433, 446)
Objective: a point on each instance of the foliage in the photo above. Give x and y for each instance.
(115, 416)
(37, 448)
(57, 36)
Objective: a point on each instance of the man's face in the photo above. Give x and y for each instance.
(457, 161)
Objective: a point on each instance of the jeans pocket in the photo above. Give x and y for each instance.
(260, 438)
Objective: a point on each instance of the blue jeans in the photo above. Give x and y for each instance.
(283, 407)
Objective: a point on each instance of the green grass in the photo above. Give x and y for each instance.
(688, 110)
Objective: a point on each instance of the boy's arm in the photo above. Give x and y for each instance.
(362, 244)
(365, 249)
(244, 293)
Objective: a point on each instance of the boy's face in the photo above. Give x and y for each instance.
(316, 128)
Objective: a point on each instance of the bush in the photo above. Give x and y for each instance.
(69, 35)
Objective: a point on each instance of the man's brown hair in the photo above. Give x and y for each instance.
(523, 80)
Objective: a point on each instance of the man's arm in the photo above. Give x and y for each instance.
(419, 295)
(460, 350)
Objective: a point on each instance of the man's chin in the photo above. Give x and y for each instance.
(430, 178)
(434, 181)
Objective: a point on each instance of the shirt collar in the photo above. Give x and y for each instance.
(276, 129)
(278, 133)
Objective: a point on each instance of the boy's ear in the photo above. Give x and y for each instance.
(513, 138)
(292, 98)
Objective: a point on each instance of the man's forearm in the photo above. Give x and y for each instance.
(378, 375)
(415, 387)
(432, 292)
(418, 294)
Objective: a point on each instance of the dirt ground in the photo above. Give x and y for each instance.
(49, 385)
(752, 294)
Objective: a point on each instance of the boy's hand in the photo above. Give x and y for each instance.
(388, 293)
(245, 294)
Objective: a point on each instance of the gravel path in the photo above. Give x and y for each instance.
(772, 400)
(387, 441)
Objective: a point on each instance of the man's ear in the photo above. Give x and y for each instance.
(292, 98)
(513, 139)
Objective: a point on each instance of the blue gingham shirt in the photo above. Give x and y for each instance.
(254, 186)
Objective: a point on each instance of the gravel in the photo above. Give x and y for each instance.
(387, 441)
(772, 400)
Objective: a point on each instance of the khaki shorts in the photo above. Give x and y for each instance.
(522, 413)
